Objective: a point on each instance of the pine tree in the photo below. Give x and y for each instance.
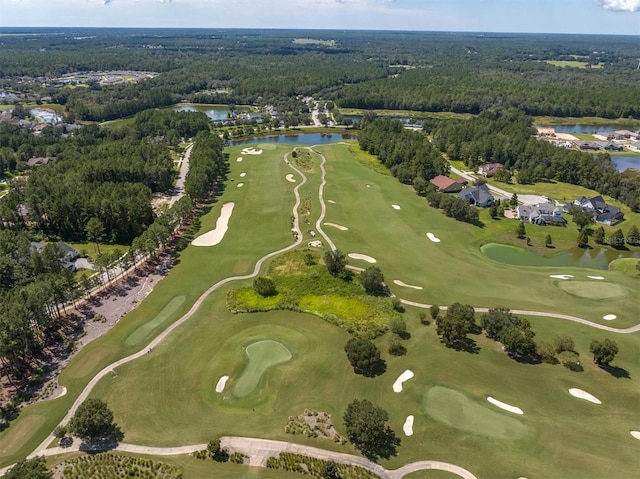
(598, 235)
(548, 242)
(520, 231)
(633, 236)
(583, 239)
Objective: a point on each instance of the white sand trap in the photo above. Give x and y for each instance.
(408, 426)
(363, 257)
(240, 185)
(290, 178)
(397, 386)
(251, 151)
(636, 434)
(609, 317)
(214, 236)
(239, 160)
(340, 227)
(561, 276)
(595, 277)
(505, 406)
(580, 394)
(331, 201)
(433, 237)
(221, 383)
(368, 186)
(395, 207)
(400, 283)
(242, 175)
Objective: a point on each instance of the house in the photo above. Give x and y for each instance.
(477, 195)
(587, 145)
(37, 161)
(602, 212)
(541, 214)
(489, 169)
(446, 184)
(69, 253)
(610, 146)
(635, 146)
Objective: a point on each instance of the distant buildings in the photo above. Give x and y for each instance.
(602, 212)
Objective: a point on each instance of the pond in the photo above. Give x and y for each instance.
(587, 128)
(596, 258)
(45, 116)
(626, 162)
(215, 112)
(300, 139)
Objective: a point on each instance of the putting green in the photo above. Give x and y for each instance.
(145, 330)
(593, 289)
(454, 409)
(262, 355)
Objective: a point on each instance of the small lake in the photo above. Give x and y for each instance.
(586, 128)
(45, 116)
(596, 258)
(215, 112)
(625, 162)
(301, 139)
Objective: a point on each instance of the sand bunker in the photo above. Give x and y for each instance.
(340, 227)
(397, 386)
(368, 186)
(433, 237)
(636, 434)
(408, 426)
(239, 159)
(400, 283)
(595, 277)
(214, 236)
(580, 394)
(363, 257)
(251, 151)
(395, 207)
(505, 406)
(561, 276)
(221, 383)
(242, 175)
(331, 201)
(240, 185)
(290, 178)
(609, 317)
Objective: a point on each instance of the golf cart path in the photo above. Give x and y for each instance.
(178, 191)
(259, 450)
(629, 330)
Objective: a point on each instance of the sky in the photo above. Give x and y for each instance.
(527, 16)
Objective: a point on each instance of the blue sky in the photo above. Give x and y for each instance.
(536, 16)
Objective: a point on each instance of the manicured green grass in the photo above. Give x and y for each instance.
(627, 266)
(586, 120)
(262, 356)
(142, 333)
(455, 409)
(168, 397)
(406, 113)
(571, 64)
(593, 289)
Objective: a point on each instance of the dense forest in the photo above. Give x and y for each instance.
(456, 72)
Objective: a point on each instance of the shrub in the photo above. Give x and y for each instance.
(397, 305)
(265, 287)
(396, 348)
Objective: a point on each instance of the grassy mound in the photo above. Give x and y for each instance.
(311, 289)
(626, 265)
(461, 412)
(593, 289)
(262, 355)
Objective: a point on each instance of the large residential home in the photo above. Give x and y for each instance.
(489, 169)
(587, 145)
(477, 195)
(541, 214)
(602, 212)
(69, 254)
(446, 184)
(41, 160)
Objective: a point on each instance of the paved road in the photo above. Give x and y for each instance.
(178, 191)
(472, 179)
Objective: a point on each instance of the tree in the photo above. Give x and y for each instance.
(633, 236)
(368, 430)
(520, 231)
(513, 202)
(434, 310)
(548, 242)
(216, 452)
(603, 351)
(547, 352)
(583, 239)
(372, 280)
(95, 231)
(336, 262)
(35, 468)
(264, 286)
(398, 326)
(92, 419)
(330, 470)
(420, 185)
(617, 239)
(363, 355)
(598, 235)
(396, 348)
(581, 217)
(456, 324)
(495, 320)
(518, 341)
(493, 210)
(563, 343)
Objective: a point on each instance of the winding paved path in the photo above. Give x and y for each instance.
(178, 191)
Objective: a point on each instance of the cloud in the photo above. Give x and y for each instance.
(621, 5)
